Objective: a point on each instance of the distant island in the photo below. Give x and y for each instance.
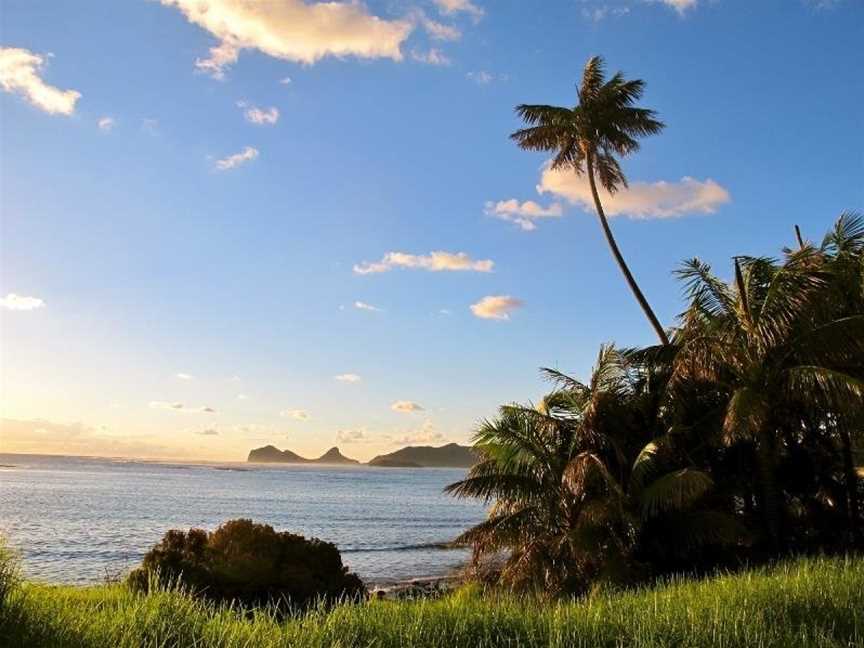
(272, 454)
(451, 455)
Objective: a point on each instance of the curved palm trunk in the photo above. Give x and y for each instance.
(610, 239)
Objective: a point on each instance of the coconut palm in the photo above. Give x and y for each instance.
(765, 344)
(567, 497)
(843, 253)
(589, 138)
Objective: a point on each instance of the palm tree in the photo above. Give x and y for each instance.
(568, 497)
(588, 137)
(842, 250)
(766, 345)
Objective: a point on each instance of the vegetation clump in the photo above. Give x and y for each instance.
(250, 564)
(733, 444)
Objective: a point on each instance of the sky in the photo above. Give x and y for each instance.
(226, 224)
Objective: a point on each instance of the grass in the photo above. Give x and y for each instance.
(808, 602)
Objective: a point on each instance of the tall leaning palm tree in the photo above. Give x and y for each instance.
(589, 138)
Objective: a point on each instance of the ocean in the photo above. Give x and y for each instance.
(84, 520)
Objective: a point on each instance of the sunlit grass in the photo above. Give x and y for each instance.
(813, 602)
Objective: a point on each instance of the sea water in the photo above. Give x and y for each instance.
(85, 520)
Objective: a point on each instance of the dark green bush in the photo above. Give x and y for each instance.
(250, 564)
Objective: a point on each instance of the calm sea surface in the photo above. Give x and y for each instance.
(78, 520)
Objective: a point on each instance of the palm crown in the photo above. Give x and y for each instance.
(605, 125)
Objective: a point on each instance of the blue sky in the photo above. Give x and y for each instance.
(167, 279)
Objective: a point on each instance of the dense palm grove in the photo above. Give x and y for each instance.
(734, 443)
(731, 442)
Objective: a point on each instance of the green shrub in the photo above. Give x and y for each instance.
(250, 564)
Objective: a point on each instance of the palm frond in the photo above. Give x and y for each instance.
(675, 491)
(746, 413)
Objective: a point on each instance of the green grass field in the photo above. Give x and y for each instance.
(814, 602)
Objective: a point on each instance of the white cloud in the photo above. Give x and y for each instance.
(367, 307)
(242, 397)
(821, 5)
(106, 124)
(482, 77)
(348, 378)
(523, 214)
(597, 14)
(232, 161)
(181, 407)
(448, 7)
(681, 6)
(21, 303)
(208, 432)
(440, 31)
(184, 376)
(292, 30)
(296, 414)
(434, 262)
(19, 74)
(642, 199)
(259, 116)
(426, 434)
(358, 435)
(432, 57)
(496, 307)
(285, 81)
(406, 407)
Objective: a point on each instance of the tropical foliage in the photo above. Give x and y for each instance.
(735, 442)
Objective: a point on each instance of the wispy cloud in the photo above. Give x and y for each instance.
(431, 57)
(208, 432)
(292, 30)
(448, 7)
(483, 77)
(20, 302)
(348, 378)
(296, 414)
(524, 214)
(440, 31)
(824, 4)
(357, 435)
(641, 199)
(233, 161)
(184, 376)
(259, 116)
(406, 407)
(598, 10)
(20, 71)
(434, 262)
(106, 124)
(181, 407)
(359, 305)
(681, 6)
(497, 307)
